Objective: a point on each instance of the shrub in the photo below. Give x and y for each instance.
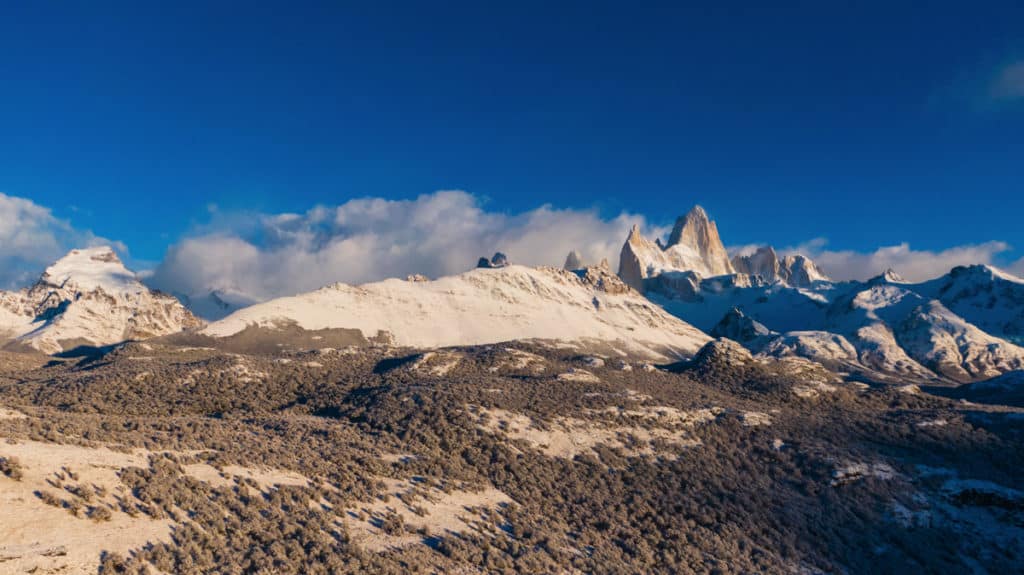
(11, 467)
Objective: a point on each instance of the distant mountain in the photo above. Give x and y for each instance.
(987, 297)
(217, 303)
(486, 305)
(964, 326)
(793, 270)
(87, 298)
(693, 246)
(695, 253)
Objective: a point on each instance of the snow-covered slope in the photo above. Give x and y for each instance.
(952, 347)
(88, 298)
(963, 326)
(483, 306)
(882, 326)
(987, 297)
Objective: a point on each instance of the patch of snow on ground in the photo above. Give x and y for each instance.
(420, 506)
(40, 538)
(566, 437)
(857, 471)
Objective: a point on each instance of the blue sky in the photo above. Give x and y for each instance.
(869, 124)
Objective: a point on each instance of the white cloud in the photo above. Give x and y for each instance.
(1009, 83)
(913, 265)
(1017, 267)
(269, 255)
(31, 238)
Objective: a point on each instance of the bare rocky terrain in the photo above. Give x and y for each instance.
(161, 457)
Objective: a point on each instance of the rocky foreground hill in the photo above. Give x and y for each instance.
(511, 458)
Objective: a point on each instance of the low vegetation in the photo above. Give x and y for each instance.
(647, 486)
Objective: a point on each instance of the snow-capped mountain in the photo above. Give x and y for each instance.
(963, 326)
(483, 306)
(693, 246)
(987, 297)
(695, 253)
(88, 298)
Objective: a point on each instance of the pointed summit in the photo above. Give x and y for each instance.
(90, 269)
(573, 261)
(764, 262)
(801, 271)
(88, 299)
(695, 219)
(695, 240)
(888, 277)
(737, 326)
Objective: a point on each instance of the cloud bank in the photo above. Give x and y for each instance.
(269, 255)
(31, 238)
(913, 265)
(255, 256)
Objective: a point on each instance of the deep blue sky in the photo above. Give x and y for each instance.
(867, 123)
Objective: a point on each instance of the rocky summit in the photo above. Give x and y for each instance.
(88, 299)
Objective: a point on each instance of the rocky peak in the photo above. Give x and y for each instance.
(89, 298)
(602, 278)
(91, 269)
(573, 261)
(800, 271)
(638, 259)
(737, 326)
(694, 245)
(698, 234)
(720, 353)
(889, 276)
(794, 270)
(763, 262)
(498, 260)
(696, 220)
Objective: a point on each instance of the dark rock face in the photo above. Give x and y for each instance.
(737, 326)
(573, 261)
(498, 260)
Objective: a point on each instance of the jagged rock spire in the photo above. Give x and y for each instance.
(573, 261)
(696, 232)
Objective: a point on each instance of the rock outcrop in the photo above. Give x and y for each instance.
(696, 235)
(720, 353)
(694, 245)
(573, 261)
(498, 260)
(793, 270)
(738, 327)
(763, 262)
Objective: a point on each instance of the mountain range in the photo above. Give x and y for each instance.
(666, 301)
